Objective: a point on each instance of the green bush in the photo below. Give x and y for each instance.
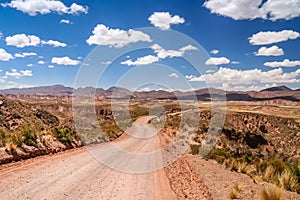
(17, 139)
(195, 148)
(2, 138)
(65, 135)
(278, 164)
(220, 155)
(29, 137)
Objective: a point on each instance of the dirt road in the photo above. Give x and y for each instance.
(78, 175)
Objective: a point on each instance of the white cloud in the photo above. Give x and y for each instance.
(214, 51)
(174, 75)
(64, 61)
(4, 55)
(106, 62)
(118, 38)
(161, 53)
(252, 9)
(41, 62)
(236, 9)
(29, 65)
(278, 9)
(234, 78)
(33, 7)
(14, 73)
(217, 61)
(54, 43)
(249, 87)
(26, 72)
(65, 21)
(271, 37)
(51, 66)
(285, 63)
(141, 61)
(22, 40)
(271, 51)
(164, 20)
(188, 48)
(1, 34)
(75, 9)
(209, 71)
(235, 62)
(25, 54)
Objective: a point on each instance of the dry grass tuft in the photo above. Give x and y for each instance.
(235, 192)
(269, 173)
(243, 167)
(288, 181)
(271, 193)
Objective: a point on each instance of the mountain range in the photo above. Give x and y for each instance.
(273, 93)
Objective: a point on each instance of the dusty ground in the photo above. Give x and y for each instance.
(76, 174)
(220, 181)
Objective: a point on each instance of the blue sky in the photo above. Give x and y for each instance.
(248, 45)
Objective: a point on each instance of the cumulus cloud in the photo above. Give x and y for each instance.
(18, 74)
(1, 34)
(54, 43)
(209, 71)
(161, 53)
(252, 9)
(25, 54)
(215, 51)
(235, 62)
(41, 62)
(164, 20)
(271, 37)
(278, 9)
(33, 7)
(245, 78)
(29, 65)
(118, 38)
(271, 51)
(284, 63)
(174, 75)
(65, 21)
(22, 40)
(4, 55)
(51, 66)
(141, 61)
(217, 61)
(64, 61)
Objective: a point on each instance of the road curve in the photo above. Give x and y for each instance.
(77, 174)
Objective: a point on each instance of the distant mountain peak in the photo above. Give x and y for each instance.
(277, 89)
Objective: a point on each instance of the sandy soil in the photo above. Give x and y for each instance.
(78, 174)
(220, 181)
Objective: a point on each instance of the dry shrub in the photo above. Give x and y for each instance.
(235, 192)
(271, 193)
(288, 181)
(269, 173)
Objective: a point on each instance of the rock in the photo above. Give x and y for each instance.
(5, 157)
